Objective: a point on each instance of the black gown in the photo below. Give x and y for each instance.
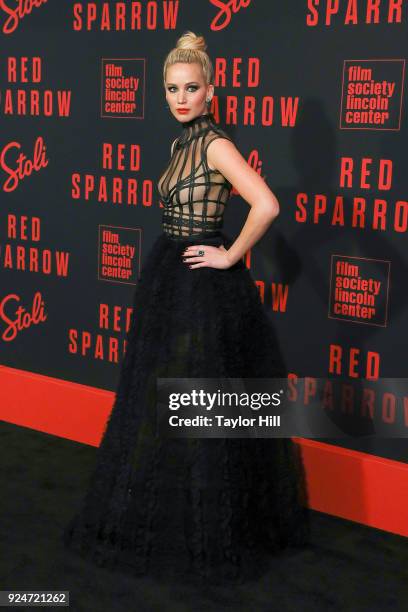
(205, 508)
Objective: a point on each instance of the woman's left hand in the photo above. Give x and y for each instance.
(214, 257)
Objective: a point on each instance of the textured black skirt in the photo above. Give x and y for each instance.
(208, 509)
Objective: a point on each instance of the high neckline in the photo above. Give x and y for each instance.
(194, 127)
(199, 120)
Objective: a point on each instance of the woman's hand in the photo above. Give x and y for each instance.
(214, 257)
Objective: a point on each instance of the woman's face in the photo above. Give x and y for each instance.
(186, 89)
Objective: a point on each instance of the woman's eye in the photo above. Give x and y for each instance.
(190, 88)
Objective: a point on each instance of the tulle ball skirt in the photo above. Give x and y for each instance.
(205, 508)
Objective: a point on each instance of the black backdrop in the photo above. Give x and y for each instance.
(282, 71)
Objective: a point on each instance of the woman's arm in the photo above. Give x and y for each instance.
(223, 155)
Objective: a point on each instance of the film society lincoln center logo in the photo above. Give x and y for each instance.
(372, 94)
(359, 289)
(122, 88)
(119, 254)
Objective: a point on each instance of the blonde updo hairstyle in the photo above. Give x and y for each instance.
(190, 49)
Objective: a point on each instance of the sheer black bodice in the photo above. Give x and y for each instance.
(194, 195)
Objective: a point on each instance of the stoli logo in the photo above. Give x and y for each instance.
(20, 9)
(24, 166)
(224, 16)
(21, 318)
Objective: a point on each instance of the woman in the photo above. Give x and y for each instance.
(209, 508)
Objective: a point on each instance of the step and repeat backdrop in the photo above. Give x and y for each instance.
(313, 95)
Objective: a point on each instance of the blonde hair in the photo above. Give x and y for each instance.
(190, 49)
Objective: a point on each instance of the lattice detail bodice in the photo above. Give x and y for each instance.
(193, 194)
